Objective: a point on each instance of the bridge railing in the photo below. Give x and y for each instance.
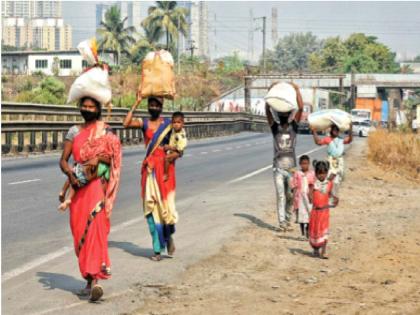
(37, 128)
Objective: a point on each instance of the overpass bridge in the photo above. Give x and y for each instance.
(353, 81)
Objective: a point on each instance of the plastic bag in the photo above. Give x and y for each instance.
(158, 78)
(93, 83)
(323, 119)
(282, 97)
(89, 51)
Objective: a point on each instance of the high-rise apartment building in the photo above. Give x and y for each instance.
(198, 20)
(35, 24)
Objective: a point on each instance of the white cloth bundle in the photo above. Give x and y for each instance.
(93, 83)
(282, 97)
(323, 119)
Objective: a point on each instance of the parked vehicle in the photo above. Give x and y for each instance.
(363, 128)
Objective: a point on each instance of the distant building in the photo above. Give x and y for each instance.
(129, 9)
(36, 24)
(199, 28)
(28, 62)
(31, 9)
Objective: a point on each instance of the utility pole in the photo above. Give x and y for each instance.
(251, 36)
(264, 18)
(179, 51)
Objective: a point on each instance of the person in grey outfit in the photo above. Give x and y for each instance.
(284, 163)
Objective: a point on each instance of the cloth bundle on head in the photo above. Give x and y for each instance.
(158, 78)
(94, 81)
(282, 98)
(323, 119)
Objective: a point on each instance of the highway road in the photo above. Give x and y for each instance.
(215, 179)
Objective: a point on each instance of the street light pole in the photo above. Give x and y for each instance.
(264, 18)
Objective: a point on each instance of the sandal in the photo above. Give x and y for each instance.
(157, 257)
(96, 293)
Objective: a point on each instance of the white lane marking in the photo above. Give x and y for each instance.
(265, 168)
(216, 150)
(25, 181)
(247, 145)
(69, 306)
(62, 251)
(204, 152)
(35, 263)
(238, 147)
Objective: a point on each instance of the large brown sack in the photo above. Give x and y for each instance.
(157, 78)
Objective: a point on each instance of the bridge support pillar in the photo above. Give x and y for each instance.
(247, 94)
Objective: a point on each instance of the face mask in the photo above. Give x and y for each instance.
(88, 115)
(155, 113)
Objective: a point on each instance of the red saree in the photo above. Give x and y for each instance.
(158, 195)
(91, 206)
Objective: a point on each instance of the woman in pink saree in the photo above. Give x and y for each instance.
(90, 209)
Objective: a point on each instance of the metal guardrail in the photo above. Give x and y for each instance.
(38, 128)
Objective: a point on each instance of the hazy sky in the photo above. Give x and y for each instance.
(397, 24)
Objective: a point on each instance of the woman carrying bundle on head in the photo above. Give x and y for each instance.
(94, 177)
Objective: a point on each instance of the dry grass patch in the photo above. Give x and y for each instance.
(396, 151)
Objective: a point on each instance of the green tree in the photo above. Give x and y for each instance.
(417, 59)
(114, 35)
(166, 19)
(231, 63)
(358, 53)
(292, 52)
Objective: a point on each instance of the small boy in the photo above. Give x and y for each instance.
(177, 141)
(84, 174)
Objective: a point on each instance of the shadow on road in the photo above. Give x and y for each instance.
(52, 281)
(300, 251)
(132, 249)
(257, 221)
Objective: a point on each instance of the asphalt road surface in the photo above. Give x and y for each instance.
(215, 178)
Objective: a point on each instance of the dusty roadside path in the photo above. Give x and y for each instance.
(374, 265)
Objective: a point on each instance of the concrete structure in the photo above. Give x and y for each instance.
(46, 33)
(199, 28)
(35, 24)
(129, 9)
(28, 62)
(31, 9)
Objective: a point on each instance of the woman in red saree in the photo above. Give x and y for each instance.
(91, 206)
(157, 194)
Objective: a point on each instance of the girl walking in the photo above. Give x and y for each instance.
(319, 223)
(301, 181)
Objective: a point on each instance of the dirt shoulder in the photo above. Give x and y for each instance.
(374, 265)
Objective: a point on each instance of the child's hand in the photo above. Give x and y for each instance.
(61, 197)
(165, 177)
(166, 147)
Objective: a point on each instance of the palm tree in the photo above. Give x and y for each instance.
(113, 34)
(140, 49)
(166, 19)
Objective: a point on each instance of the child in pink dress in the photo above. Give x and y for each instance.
(301, 182)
